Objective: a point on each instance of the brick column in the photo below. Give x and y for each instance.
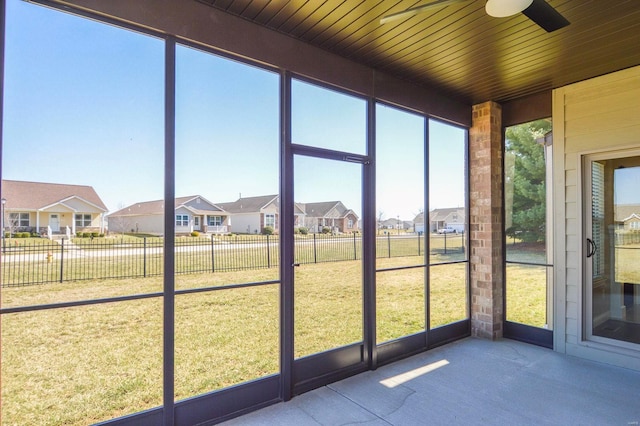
(486, 227)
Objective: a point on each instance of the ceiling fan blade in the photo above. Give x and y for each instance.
(543, 14)
(418, 9)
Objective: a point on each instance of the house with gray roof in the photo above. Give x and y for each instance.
(332, 214)
(51, 208)
(453, 217)
(192, 213)
(250, 215)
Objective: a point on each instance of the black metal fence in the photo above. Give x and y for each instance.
(39, 262)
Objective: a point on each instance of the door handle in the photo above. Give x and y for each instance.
(591, 247)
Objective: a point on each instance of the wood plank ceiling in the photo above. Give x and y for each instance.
(459, 48)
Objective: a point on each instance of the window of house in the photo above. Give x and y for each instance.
(182, 220)
(350, 223)
(214, 220)
(270, 220)
(83, 220)
(19, 219)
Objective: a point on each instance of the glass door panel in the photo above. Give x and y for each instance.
(328, 296)
(613, 249)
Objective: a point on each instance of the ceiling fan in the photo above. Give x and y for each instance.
(539, 11)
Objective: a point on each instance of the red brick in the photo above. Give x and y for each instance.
(485, 170)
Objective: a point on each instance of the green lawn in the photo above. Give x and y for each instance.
(73, 366)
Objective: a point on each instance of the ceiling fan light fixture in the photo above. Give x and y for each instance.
(504, 8)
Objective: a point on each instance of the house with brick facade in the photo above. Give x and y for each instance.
(250, 215)
(51, 208)
(332, 214)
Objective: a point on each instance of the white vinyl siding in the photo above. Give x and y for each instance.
(592, 116)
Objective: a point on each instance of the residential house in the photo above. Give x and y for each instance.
(447, 218)
(442, 218)
(394, 223)
(193, 213)
(332, 214)
(628, 217)
(51, 208)
(250, 215)
(418, 223)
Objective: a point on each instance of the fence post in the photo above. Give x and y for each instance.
(268, 253)
(315, 254)
(213, 260)
(445, 243)
(144, 257)
(62, 260)
(355, 250)
(388, 244)
(418, 244)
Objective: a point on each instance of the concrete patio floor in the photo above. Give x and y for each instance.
(471, 381)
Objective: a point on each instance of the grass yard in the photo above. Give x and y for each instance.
(74, 366)
(527, 294)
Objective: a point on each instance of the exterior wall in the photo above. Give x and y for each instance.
(149, 224)
(246, 223)
(184, 229)
(274, 210)
(592, 116)
(345, 226)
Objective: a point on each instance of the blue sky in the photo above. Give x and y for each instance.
(84, 105)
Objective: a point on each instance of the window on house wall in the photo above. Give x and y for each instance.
(182, 220)
(83, 220)
(19, 219)
(270, 220)
(598, 216)
(214, 220)
(527, 168)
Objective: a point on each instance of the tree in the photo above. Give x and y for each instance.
(525, 175)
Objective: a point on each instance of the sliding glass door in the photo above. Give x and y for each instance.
(612, 249)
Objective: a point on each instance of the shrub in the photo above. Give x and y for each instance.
(326, 230)
(296, 231)
(195, 234)
(23, 234)
(7, 234)
(100, 235)
(95, 234)
(267, 230)
(303, 230)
